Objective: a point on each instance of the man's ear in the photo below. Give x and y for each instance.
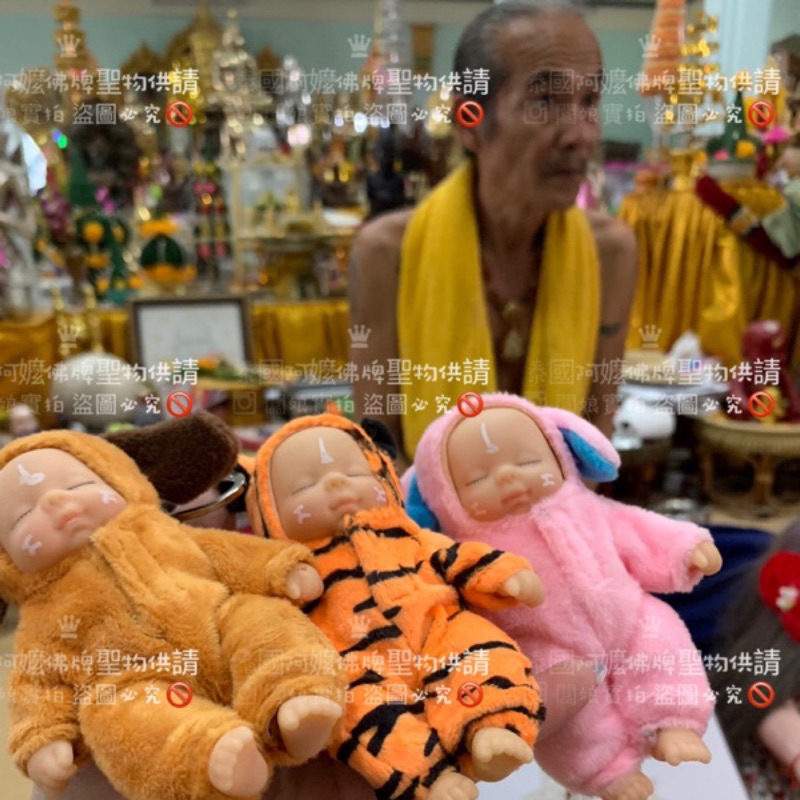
(380, 435)
(468, 137)
(181, 457)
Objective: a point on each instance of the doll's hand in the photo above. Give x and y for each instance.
(303, 583)
(51, 766)
(525, 586)
(706, 558)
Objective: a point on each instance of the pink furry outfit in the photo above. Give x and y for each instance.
(598, 559)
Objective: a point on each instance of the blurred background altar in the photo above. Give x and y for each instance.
(182, 184)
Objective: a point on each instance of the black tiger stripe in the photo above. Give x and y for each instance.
(391, 533)
(368, 678)
(442, 673)
(386, 791)
(392, 612)
(373, 637)
(342, 575)
(410, 792)
(338, 541)
(376, 577)
(513, 729)
(430, 745)
(500, 682)
(365, 605)
(460, 580)
(456, 613)
(444, 559)
(383, 719)
(436, 770)
(312, 605)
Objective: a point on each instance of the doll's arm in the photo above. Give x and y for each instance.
(479, 572)
(43, 713)
(661, 553)
(780, 733)
(254, 565)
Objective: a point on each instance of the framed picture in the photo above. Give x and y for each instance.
(163, 329)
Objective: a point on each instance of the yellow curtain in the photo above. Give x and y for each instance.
(695, 273)
(297, 333)
(27, 350)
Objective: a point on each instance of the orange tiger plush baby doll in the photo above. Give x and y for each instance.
(438, 697)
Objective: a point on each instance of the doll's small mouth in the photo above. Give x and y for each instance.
(66, 519)
(344, 502)
(514, 497)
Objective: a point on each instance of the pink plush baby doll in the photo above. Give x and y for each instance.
(512, 477)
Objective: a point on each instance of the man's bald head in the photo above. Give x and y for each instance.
(481, 43)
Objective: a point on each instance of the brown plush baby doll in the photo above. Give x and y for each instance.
(98, 569)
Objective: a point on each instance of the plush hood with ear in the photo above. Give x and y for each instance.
(260, 502)
(582, 452)
(100, 456)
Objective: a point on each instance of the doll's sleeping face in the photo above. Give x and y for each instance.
(500, 463)
(51, 505)
(319, 475)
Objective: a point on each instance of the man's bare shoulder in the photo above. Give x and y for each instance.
(382, 236)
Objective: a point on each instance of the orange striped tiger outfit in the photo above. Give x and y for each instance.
(394, 608)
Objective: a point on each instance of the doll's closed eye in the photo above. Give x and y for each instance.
(477, 480)
(530, 462)
(21, 517)
(78, 485)
(304, 487)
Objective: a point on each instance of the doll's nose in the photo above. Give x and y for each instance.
(506, 473)
(335, 480)
(53, 499)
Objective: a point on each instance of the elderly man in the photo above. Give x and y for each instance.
(497, 271)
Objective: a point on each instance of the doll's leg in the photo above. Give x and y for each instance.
(592, 753)
(152, 750)
(670, 699)
(386, 739)
(480, 695)
(287, 677)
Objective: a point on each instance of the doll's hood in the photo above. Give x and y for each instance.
(260, 501)
(116, 468)
(432, 476)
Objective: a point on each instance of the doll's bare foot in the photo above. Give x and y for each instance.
(306, 724)
(636, 786)
(676, 745)
(496, 753)
(236, 767)
(453, 786)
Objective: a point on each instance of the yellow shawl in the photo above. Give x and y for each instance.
(442, 313)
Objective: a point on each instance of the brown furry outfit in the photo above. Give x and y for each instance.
(147, 585)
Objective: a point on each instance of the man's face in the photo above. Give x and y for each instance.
(545, 123)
